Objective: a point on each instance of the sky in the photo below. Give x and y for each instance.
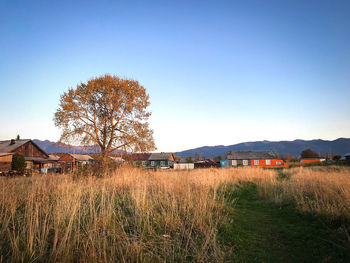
(217, 72)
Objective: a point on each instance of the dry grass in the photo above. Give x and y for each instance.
(317, 190)
(138, 216)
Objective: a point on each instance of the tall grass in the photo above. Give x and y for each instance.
(143, 216)
(318, 190)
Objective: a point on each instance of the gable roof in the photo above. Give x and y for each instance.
(139, 156)
(248, 155)
(81, 157)
(7, 147)
(5, 154)
(54, 157)
(10, 146)
(160, 156)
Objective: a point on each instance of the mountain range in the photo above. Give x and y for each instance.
(338, 146)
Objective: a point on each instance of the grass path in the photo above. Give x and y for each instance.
(262, 231)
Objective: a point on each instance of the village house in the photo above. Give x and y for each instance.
(161, 160)
(182, 164)
(36, 158)
(252, 158)
(70, 162)
(139, 159)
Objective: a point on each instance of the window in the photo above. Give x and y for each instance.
(245, 162)
(256, 162)
(278, 163)
(162, 163)
(144, 163)
(268, 162)
(152, 163)
(234, 162)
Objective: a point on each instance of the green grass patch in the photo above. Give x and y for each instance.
(262, 231)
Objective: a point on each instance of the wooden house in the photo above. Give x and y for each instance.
(161, 160)
(70, 162)
(139, 159)
(36, 158)
(253, 159)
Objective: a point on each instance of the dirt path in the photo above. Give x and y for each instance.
(265, 232)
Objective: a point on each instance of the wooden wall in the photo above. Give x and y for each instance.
(5, 163)
(29, 149)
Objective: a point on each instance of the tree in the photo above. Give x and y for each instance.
(18, 163)
(189, 159)
(218, 158)
(289, 157)
(278, 156)
(107, 111)
(308, 153)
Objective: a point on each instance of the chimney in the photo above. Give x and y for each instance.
(13, 141)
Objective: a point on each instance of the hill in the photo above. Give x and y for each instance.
(53, 147)
(339, 146)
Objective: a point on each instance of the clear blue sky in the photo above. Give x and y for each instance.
(218, 72)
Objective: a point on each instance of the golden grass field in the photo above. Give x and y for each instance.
(146, 216)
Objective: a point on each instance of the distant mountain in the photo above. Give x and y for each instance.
(339, 146)
(53, 147)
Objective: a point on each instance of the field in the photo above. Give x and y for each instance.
(209, 215)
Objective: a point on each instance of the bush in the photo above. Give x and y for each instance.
(18, 163)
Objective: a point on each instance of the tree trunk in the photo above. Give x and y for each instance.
(104, 162)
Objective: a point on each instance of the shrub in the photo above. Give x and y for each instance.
(18, 163)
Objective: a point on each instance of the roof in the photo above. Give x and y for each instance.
(7, 147)
(54, 157)
(116, 158)
(38, 159)
(5, 154)
(81, 157)
(248, 155)
(160, 156)
(139, 156)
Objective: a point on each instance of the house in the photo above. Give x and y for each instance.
(117, 159)
(312, 160)
(70, 162)
(253, 159)
(36, 158)
(161, 160)
(54, 166)
(139, 159)
(225, 163)
(347, 158)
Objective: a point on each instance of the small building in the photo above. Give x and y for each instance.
(183, 166)
(117, 159)
(36, 158)
(54, 165)
(253, 159)
(312, 160)
(70, 162)
(224, 163)
(161, 160)
(346, 158)
(139, 159)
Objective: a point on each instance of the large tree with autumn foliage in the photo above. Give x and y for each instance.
(108, 111)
